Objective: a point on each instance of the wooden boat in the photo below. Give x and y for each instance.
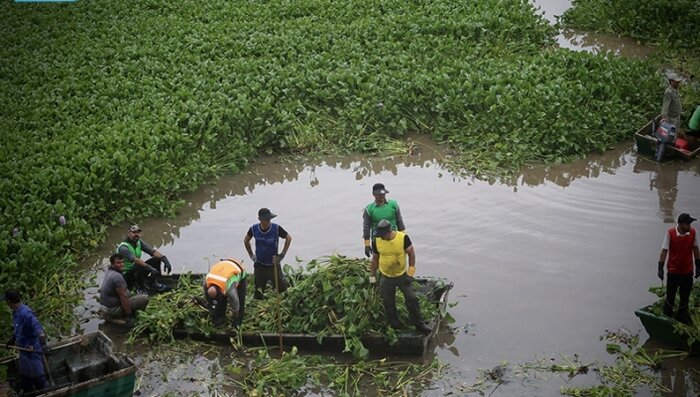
(661, 328)
(408, 341)
(82, 366)
(646, 144)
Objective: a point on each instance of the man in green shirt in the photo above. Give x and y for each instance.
(694, 123)
(379, 209)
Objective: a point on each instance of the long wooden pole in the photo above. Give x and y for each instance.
(43, 357)
(279, 304)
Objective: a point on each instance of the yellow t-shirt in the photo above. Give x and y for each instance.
(392, 255)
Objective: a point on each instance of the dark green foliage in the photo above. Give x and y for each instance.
(111, 110)
(653, 21)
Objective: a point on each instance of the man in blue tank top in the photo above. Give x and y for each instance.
(267, 258)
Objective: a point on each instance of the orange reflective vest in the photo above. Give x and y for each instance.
(225, 273)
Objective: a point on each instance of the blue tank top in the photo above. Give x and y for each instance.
(266, 243)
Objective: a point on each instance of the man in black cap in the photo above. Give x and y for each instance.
(267, 258)
(680, 246)
(135, 268)
(379, 209)
(390, 249)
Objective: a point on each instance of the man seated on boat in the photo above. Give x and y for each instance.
(135, 268)
(226, 284)
(671, 106)
(680, 245)
(29, 338)
(114, 294)
(389, 249)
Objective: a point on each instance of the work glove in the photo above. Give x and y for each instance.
(152, 270)
(368, 249)
(661, 271)
(11, 341)
(372, 280)
(167, 267)
(697, 268)
(411, 271)
(129, 323)
(278, 258)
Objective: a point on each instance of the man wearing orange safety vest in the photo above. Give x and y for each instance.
(680, 245)
(226, 283)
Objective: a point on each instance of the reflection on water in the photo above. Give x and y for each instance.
(601, 43)
(663, 177)
(542, 262)
(597, 43)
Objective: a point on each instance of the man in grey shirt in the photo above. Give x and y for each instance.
(114, 295)
(671, 107)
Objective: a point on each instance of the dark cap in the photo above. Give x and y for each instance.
(12, 297)
(379, 188)
(383, 228)
(264, 214)
(134, 228)
(686, 219)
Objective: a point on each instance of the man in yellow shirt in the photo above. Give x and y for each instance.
(389, 249)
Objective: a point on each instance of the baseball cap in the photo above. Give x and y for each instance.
(134, 228)
(264, 214)
(379, 188)
(686, 219)
(383, 227)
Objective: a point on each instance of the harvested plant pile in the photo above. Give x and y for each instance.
(330, 295)
(692, 330)
(264, 375)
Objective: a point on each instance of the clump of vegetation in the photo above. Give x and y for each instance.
(264, 375)
(669, 25)
(329, 296)
(690, 330)
(634, 368)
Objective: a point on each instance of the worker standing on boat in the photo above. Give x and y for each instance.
(680, 245)
(28, 334)
(379, 209)
(114, 294)
(136, 269)
(671, 107)
(226, 284)
(267, 258)
(390, 249)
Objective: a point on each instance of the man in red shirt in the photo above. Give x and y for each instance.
(680, 245)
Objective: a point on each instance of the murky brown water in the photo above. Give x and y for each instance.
(542, 264)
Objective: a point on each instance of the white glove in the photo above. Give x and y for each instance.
(372, 279)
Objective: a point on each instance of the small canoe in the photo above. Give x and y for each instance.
(661, 328)
(82, 366)
(408, 341)
(646, 144)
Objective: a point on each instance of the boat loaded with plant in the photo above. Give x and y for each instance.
(651, 136)
(668, 330)
(329, 305)
(81, 366)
